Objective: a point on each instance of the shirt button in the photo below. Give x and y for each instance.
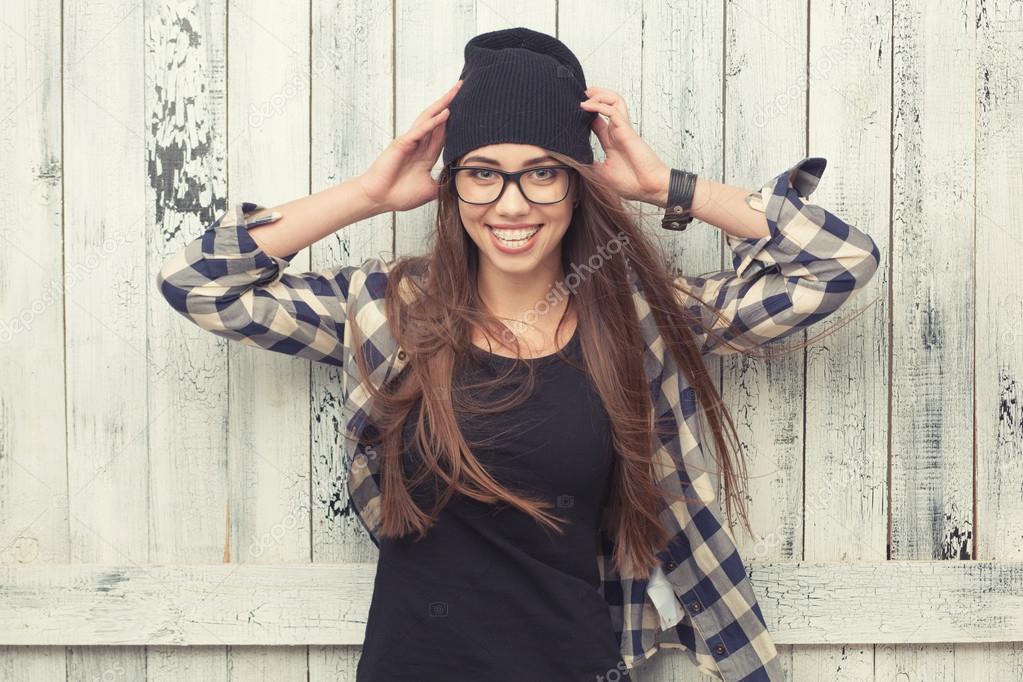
(671, 565)
(401, 355)
(695, 606)
(719, 649)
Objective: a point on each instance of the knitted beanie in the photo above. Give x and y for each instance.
(519, 86)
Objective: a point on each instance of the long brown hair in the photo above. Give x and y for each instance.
(433, 306)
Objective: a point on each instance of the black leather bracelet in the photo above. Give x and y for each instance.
(681, 186)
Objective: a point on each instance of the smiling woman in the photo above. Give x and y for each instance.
(527, 400)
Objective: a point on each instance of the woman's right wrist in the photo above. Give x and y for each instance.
(367, 204)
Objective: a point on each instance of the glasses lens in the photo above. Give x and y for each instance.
(540, 185)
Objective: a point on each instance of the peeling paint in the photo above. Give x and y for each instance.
(181, 129)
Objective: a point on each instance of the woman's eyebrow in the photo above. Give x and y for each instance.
(530, 162)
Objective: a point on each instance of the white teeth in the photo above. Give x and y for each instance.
(514, 236)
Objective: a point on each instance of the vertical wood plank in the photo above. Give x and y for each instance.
(998, 361)
(32, 663)
(185, 86)
(683, 119)
(845, 512)
(764, 133)
(352, 122)
(104, 137)
(269, 394)
(429, 39)
(932, 342)
(33, 481)
(999, 307)
(33, 474)
(932, 499)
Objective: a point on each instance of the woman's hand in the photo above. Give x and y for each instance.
(399, 179)
(631, 166)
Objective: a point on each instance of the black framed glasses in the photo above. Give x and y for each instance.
(538, 184)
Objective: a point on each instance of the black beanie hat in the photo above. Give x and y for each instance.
(519, 86)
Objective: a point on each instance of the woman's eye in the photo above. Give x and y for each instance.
(541, 171)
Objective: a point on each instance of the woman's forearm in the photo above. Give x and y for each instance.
(307, 220)
(723, 206)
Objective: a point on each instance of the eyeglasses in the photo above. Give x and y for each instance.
(539, 184)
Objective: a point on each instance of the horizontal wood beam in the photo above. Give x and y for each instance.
(890, 602)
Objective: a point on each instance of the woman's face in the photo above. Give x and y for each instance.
(495, 227)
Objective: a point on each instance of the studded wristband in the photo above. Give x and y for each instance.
(681, 186)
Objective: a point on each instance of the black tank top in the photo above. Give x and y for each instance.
(489, 593)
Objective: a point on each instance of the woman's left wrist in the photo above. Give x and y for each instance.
(659, 197)
(678, 200)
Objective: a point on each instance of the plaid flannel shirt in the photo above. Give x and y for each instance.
(698, 599)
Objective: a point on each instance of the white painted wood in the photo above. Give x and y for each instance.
(932, 309)
(999, 307)
(844, 507)
(429, 39)
(352, 110)
(253, 604)
(105, 341)
(683, 118)
(32, 663)
(934, 114)
(998, 361)
(33, 476)
(764, 131)
(268, 432)
(185, 61)
(352, 122)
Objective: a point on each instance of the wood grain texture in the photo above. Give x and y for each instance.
(998, 322)
(845, 458)
(105, 335)
(268, 450)
(932, 418)
(186, 149)
(352, 109)
(256, 604)
(34, 523)
(765, 133)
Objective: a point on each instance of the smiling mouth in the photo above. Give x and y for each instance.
(515, 237)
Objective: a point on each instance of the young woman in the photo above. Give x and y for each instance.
(524, 401)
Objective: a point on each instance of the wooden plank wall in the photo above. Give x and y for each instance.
(128, 437)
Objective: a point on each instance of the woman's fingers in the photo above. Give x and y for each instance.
(610, 98)
(420, 131)
(617, 118)
(435, 141)
(438, 105)
(599, 126)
